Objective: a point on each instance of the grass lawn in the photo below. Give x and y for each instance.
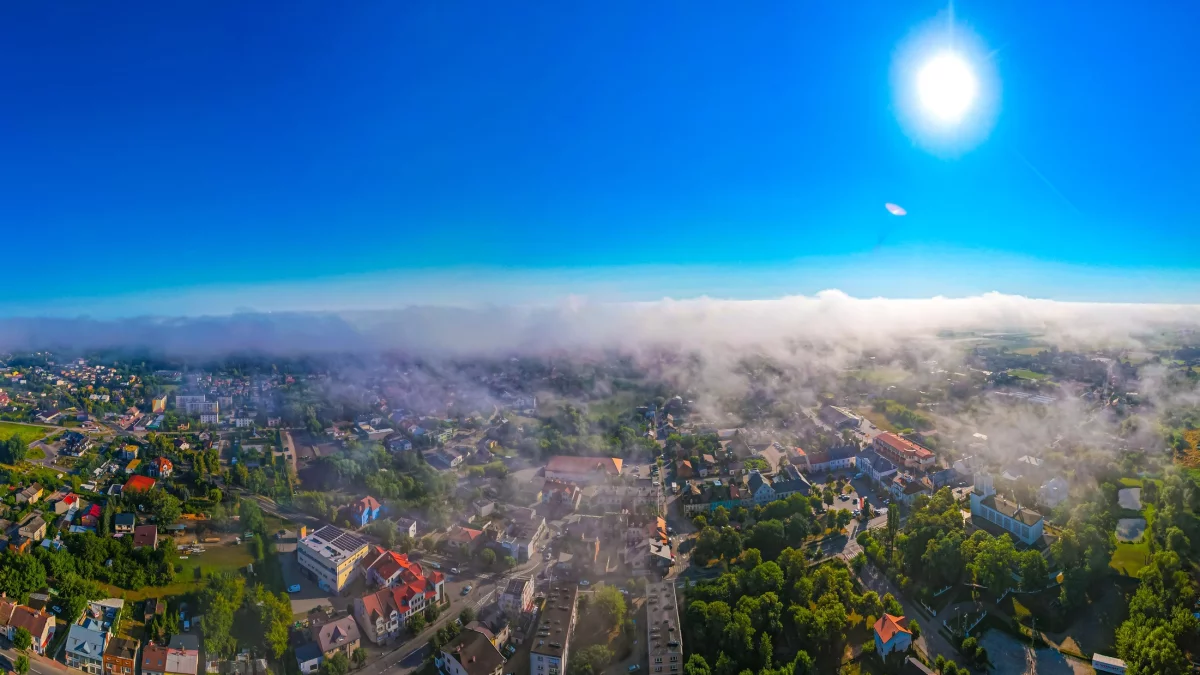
(877, 419)
(27, 432)
(1029, 351)
(218, 558)
(1129, 559)
(1128, 482)
(1028, 374)
(35, 453)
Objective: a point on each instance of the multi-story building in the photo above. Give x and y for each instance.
(471, 653)
(705, 497)
(517, 596)
(664, 638)
(330, 556)
(1025, 525)
(407, 590)
(549, 650)
(85, 646)
(158, 405)
(189, 404)
(832, 459)
(121, 655)
(903, 452)
(876, 467)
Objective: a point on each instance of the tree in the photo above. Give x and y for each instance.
(339, 664)
(993, 563)
(488, 557)
(21, 665)
(467, 615)
(22, 640)
(610, 602)
(360, 657)
(915, 628)
(415, 623)
(1033, 571)
(696, 665)
(508, 562)
(893, 526)
(251, 516)
(593, 659)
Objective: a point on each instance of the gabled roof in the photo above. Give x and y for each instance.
(367, 504)
(139, 483)
(338, 633)
(475, 652)
(568, 464)
(463, 534)
(888, 625)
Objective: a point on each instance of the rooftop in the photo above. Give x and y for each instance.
(555, 628)
(1011, 509)
(333, 543)
(663, 634)
(888, 625)
(475, 652)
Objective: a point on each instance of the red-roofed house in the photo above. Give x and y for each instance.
(161, 467)
(407, 590)
(91, 517)
(365, 510)
(902, 451)
(891, 635)
(138, 484)
(462, 537)
(145, 536)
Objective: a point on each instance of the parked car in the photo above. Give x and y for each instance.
(585, 582)
(294, 588)
(466, 589)
(634, 668)
(454, 570)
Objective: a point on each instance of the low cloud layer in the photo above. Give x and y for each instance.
(827, 319)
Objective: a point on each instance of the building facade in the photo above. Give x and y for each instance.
(1025, 525)
(330, 556)
(550, 648)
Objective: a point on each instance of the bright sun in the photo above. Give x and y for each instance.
(947, 87)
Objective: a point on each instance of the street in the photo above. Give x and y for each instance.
(37, 664)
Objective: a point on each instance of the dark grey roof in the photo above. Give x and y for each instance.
(1012, 510)
(475, 652)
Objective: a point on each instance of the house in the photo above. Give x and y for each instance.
(32, 527)
(471, 653)
(123, 523)
(562, 494)
(69, 503)
(462, 538)
(1025, 525)
(1026, 466)
(517, 596)
(791, 482)
(365, 510)
(128, 452)
(161, 467)
(336, 636)
(31, 494)
(407, 590)
(702, 498)
(1053, 492)
(891, 635)
(153, 608)
(760, 490)
(524, 528)
(160, 660)
(708, 464)
(38, 622)
(406, 527)
(905, 488)
(876, 467)
(145, 536)
(120, 656)
(903, 452)
(832, 459)
(683, 469)
(483, 507)
(943, 478)
(308, 658)
(85, 646)
(398, 443)
(583, 470)
(798, 457)
(132, 467)
(138, 484)
(443, 458)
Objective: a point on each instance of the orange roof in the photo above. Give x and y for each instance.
(463, 534)
(887, 626)
(139, 484)
(903, 445)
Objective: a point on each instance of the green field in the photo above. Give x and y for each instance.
(880, 374)
(28, 433)
(195, 570)
(1028, 374)
(1129, 559)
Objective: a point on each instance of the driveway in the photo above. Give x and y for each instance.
(931, 642)
(1010, 656)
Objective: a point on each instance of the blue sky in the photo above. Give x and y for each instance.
(196, 157)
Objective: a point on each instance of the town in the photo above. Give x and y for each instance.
(1000, 501)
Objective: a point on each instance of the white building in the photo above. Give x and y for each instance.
(517, 596)
(331, 555)
(1023, 524)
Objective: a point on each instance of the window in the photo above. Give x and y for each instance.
(674, 659)
(658, 659)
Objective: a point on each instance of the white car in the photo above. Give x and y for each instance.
(585, 582)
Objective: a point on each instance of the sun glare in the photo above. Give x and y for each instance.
(947, 87)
